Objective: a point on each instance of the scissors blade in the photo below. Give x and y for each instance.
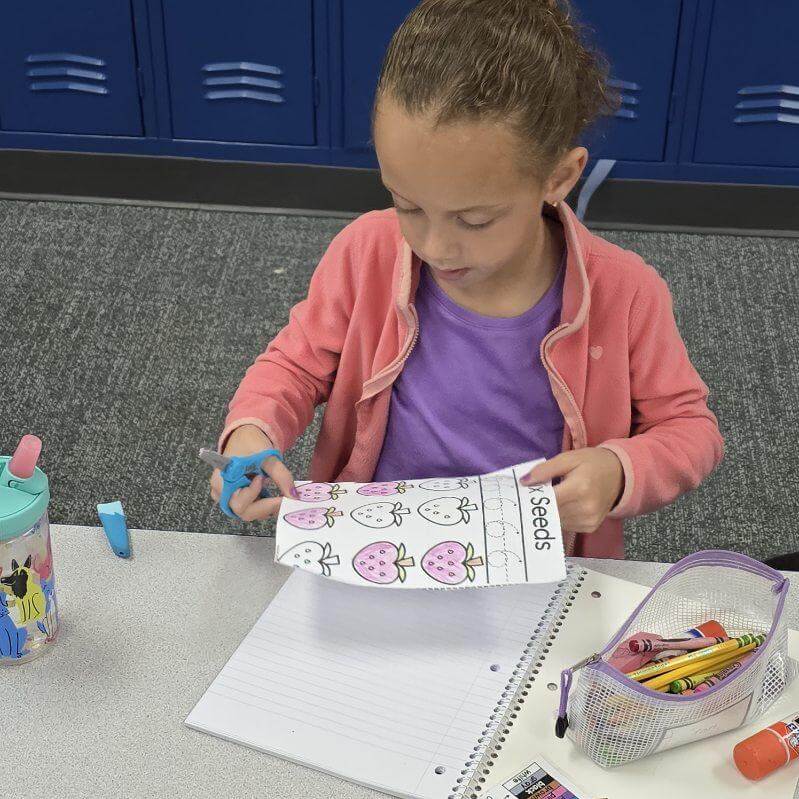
(213, 458)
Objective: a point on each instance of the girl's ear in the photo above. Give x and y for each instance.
(563, 178)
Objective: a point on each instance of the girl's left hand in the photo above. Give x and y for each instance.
(592, 481)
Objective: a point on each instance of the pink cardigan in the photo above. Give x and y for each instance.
(617, 366)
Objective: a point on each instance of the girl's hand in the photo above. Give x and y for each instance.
(246, 502)
(592, 481)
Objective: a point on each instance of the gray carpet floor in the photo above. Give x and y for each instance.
(125, 331)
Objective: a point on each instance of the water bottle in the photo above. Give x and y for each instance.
(28, 608)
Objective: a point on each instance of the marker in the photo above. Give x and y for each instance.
(692, 657)
(692, 668)
(769, 749)
(116, 530)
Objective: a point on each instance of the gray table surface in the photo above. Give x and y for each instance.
(101, 714)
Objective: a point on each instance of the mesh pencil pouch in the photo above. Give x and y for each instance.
(616, 720)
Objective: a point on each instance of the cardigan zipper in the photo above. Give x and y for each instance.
(548, 365)
(399, 362)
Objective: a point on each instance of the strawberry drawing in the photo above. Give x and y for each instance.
(446, 484)
(447, 510)
(310, 555)
(319, 492)
(382, 563)
(312, 518)
(383, 489)
(451, 563)
(380, 514)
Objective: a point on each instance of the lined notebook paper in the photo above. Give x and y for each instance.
(390, 689)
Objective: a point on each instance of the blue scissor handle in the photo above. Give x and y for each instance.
(239, 473)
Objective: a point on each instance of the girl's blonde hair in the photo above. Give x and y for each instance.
(518, 61)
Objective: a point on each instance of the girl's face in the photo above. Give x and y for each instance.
(464, 205)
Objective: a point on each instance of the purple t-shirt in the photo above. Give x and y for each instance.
(473, 396)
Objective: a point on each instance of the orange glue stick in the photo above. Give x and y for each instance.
(769, 749)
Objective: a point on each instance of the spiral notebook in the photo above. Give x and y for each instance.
(397, 690)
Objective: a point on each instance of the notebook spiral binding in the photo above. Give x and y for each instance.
(478, 766)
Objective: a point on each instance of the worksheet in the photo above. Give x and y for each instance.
(440, 532)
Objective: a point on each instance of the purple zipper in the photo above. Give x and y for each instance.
(710, 557)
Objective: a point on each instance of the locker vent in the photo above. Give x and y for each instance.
(627, 95)
(784, 107)
(242, 80)
(66, 72)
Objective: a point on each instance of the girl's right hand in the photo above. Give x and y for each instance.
(246, 503)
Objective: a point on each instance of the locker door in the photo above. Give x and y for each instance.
(367, 29)
(69, 68)
(640, 42)
(750, 95)
(241, 70)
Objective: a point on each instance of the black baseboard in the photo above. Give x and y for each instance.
(630, 204)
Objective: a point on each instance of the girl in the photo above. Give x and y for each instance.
(478, 324)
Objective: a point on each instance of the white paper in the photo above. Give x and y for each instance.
(442, 532)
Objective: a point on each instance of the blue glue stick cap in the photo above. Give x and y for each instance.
(116, 530)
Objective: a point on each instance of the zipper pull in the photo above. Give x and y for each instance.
(562, 724)
(584, 662)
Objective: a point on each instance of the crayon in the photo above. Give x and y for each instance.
(722, 674)
(769, 749)
(705, 673)
(652, 645)
(688, 682)
(692, 668)
(693, 657)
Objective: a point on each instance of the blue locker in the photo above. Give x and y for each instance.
(241, 70)
(750, 96)
(640, 42)
(367, 28)
(69, 68)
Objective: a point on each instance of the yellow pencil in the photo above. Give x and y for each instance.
(733, 645)
(691, 668)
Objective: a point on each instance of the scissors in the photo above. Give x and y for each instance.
(237, 472)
